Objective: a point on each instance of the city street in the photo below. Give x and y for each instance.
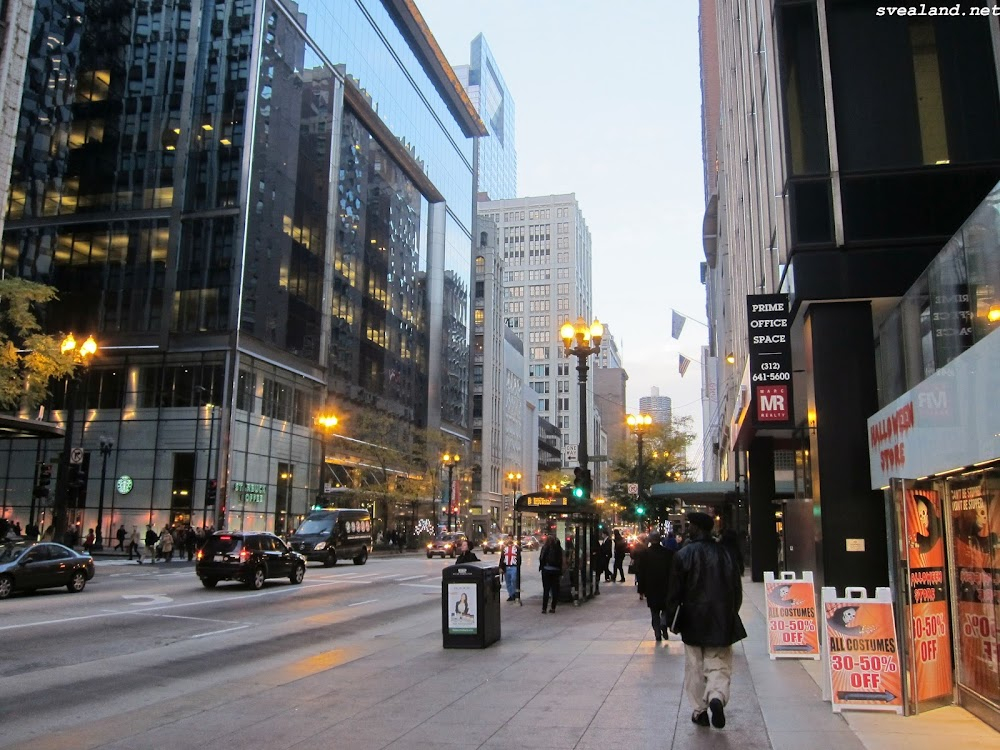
(142, 634)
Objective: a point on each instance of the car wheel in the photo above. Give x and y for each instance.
(76, 582)
(6, 586)
(256, 579)
(330, 560)
(209, 583)
(362, 558)
(430, 556)
(298, 573)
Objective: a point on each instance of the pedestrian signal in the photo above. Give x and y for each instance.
(43, 480)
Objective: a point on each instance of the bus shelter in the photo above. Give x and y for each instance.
(575, 523)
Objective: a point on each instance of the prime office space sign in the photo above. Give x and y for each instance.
(770, 359)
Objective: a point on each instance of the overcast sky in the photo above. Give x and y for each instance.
(608, 106)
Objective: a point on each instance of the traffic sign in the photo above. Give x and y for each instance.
(571, 452)
(76, 455)
(633, 488)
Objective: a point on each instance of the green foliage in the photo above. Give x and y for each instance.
(664, 459)
(29, 359)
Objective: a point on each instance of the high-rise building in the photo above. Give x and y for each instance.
(15, 25)
(496, 153)
(656, 406)
(546, 281)
(259, 209)
(609, 356)
(851, 149)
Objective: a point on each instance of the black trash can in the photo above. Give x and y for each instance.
(470, 605)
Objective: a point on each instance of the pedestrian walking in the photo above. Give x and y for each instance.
(704, 598)
(654, 576)
(635, 563)
(133, 545)
(166, 544)
(400, 541)
(88, 542)
(607, 553)
(510, 563)
(621, 549)
(550, 563)
(151, 539)
(120, 536)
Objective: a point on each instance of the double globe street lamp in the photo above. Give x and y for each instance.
(639, 423)
(449, 460)
(582, 340)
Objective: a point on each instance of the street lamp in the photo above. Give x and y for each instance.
(81, 357)
(514, 477)
(582, 340)
(449, 460)
(326, 423)
(639, 423)
(107, 444)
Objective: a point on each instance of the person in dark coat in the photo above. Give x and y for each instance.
(621, 549)
(607, 553)
(705, 585)
(654, 577)
(465, 554)
(550, 563)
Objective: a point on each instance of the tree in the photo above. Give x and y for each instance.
(664, 459)
(29, 358)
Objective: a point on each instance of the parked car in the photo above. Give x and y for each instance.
(26, 566)
(445, 545)
(493, 543)
(247, 556)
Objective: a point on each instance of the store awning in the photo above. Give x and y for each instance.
(16, 427)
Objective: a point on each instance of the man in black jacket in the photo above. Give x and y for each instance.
(705, 585)
(653, 570)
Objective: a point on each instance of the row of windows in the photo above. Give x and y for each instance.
(562, 243)
(540, 321)
(540, 213)
(562, 213)
(539, 337)
(542, 371)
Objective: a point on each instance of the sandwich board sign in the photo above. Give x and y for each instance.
(792, 630)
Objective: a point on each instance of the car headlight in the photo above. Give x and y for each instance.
(447, 546)
(321, 545)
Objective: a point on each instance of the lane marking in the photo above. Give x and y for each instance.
(219, 632)
(423, 585)
(411, 578)
(366, 601)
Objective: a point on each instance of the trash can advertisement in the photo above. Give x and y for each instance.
(930, 652)
(462, 609)
(862, 652)
(792, 630)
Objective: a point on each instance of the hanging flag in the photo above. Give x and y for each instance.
(676, 324)
(683, 364)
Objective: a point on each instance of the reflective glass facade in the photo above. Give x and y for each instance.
(177, 188)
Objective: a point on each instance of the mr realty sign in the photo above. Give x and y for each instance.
(770, 359)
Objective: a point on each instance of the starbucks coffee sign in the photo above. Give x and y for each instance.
(250, 493)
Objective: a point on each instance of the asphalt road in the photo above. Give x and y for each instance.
(139, 635)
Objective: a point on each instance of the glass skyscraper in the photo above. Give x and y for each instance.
(259, 207)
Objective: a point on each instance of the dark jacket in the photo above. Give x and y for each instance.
(467, 556)
(706, 585)
(551, 557)
(621, 549)
(654, 574)
(607, 550)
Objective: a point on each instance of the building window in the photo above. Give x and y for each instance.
(246, 388)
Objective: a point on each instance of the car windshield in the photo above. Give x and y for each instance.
(315, 525)
(9, 552)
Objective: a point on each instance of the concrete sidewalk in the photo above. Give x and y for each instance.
(586, 677)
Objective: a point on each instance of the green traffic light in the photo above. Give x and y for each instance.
(640, 511)
(578, 492)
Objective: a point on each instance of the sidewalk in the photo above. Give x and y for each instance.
(587, 677)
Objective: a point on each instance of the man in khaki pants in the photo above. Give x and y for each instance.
(705, 587)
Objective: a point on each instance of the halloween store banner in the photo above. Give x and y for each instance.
(975, 512)
(791, 616)
(862, 653)
(930, 636)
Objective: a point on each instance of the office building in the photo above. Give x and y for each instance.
(15, 24)
(262, 210)
(656, 406)
(496, 153)
(546, 281)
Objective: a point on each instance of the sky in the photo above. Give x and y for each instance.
(607, 103)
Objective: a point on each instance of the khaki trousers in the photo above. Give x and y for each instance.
(707, 672)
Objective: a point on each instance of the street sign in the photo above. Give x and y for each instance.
(571, 452)
(633, 488)
(76, 455)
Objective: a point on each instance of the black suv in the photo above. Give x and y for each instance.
(247, 556)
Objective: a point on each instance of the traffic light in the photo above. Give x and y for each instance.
(43, 479)
(581, 483)
(211, 491)
(640, 511)
(76, 482)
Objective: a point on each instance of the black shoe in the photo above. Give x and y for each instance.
(510, 598)
(545, 611)
(718, 713)
(700, 718)
(552, 611)
(657, 635)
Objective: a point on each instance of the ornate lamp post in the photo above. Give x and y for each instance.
(107, 444)
(639, 423)
(81, 356)
(326, 423)
(449, 460)
(582, 340)
(514, 477)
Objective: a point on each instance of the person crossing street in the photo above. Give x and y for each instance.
(510, 563)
